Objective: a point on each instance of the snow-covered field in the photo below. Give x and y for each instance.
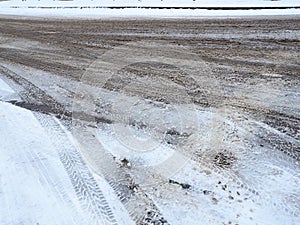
(97, 8)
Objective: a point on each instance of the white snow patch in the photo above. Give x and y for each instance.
(144, 157)
(34, 185)
(207, 202)
(6, 93)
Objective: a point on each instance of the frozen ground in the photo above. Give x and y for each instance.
(149, 121)
(97, 8)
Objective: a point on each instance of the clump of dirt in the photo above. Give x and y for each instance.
(224, 159)
(183, 185)
(153, 217)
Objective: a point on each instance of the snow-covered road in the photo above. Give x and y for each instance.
(149, 121)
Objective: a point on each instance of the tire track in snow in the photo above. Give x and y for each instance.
(85, 186)
(40, 166)
(139, 205)
(34, 98)
(32, 174)
(34, 95)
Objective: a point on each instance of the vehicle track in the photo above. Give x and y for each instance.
(85, 186)
(83, 182)
(103, 163)
(17, 56)
(33, 95)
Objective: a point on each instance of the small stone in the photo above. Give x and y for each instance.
(206, 192)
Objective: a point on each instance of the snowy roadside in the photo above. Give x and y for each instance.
(36, 183)
(133, 8)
